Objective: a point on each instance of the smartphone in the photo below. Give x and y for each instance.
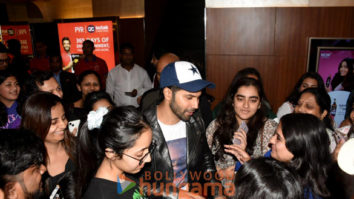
(244, 127)
(72, 125)
(128, 93)
(56, 193)
(341, 133)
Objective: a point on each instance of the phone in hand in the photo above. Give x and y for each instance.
(72, 125)
(244, 127)
(128, 93)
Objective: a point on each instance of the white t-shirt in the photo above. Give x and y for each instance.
(176, 138)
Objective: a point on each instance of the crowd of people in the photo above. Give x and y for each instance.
(116, 134)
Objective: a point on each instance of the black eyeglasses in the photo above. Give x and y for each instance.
(141, 160)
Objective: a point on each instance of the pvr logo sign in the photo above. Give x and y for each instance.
(91, 28)
(79, 29)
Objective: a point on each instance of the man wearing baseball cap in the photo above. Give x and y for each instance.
(181, 151)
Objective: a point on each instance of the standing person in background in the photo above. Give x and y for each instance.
(41, 61)
(127, 82)
(91, 62)
(4, 58)
(66, 55)
(19, 62)
(157, 53)
(153, 96)
(307, 80)
(66, 80)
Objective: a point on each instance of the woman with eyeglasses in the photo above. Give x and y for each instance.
(122, 144)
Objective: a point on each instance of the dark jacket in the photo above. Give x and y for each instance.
(68, 85)
(199, 159)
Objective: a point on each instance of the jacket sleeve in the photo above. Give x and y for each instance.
(208, 163)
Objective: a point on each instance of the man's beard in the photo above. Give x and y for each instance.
(178, 111)
(36, 195)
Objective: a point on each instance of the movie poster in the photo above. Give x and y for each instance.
(19, 32)
(72, 35)
(328, 63)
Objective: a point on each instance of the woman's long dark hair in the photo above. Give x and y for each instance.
(227, 123)
(82, 76)
(245, 73)
(337, 79)
(36, 116)
(267, 178)
(119, 130)
(306, 138)
(292, 98)
(324, 102)
(95, 96)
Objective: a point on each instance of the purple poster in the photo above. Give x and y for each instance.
(329, 60)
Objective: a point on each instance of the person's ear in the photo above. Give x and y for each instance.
(323, 115)
(259, 105)
(11, 190)
(167, 93)
(110, 154)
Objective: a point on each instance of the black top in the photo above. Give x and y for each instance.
(104, 189)
(52, 181)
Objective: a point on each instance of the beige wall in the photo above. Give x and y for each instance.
(276, 3)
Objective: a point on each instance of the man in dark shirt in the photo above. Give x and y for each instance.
(91, 62)
(66, 80)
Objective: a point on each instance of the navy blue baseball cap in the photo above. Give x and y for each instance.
(184, 75)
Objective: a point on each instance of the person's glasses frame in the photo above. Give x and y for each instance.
(141, 160)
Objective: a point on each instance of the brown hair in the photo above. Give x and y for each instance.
(36, 116)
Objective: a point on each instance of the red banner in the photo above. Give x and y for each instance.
(72, 35)
(19, 32)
